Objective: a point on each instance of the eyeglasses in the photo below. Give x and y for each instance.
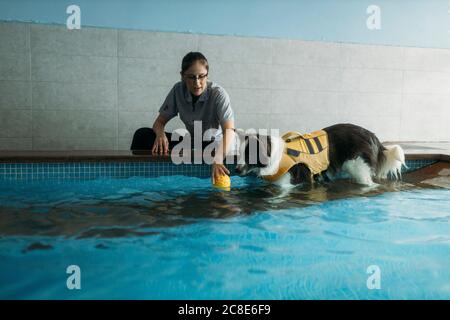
(192, 77)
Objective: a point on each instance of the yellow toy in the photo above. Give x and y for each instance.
(223, 182)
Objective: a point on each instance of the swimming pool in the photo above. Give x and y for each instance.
(174, 237)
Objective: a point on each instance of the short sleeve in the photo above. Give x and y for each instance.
(224, 111)
(169, 108)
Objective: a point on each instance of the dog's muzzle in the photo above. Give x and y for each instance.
(241, 169)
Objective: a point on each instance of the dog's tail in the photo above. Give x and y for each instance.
(392, 158)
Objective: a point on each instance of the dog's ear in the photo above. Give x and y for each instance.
(240, 133)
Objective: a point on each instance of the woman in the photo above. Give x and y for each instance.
(194, 99)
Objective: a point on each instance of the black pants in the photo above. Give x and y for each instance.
(144, 138)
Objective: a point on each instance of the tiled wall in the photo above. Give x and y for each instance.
(91, 88)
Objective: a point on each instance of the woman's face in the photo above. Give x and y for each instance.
(195, 78)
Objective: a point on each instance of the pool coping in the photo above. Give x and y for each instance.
(428, 156)
(136, 156)
(82, 156)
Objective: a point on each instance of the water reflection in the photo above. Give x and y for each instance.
(139, 213)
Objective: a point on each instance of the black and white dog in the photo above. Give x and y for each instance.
(351, 149)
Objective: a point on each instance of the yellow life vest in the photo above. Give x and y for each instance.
(310, 149)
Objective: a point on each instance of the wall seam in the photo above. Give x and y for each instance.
(30, 78)
(117, 89)
(400, 120)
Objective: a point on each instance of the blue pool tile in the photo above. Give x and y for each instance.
(92, 170)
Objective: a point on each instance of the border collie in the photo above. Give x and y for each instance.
(349, 148)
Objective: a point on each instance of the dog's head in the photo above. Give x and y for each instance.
(254, 153)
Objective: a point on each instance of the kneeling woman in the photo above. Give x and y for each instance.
(194, 99)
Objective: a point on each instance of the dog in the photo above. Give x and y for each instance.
(298, 158)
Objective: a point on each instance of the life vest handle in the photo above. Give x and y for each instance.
(291, 136)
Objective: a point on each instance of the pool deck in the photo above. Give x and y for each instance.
(413, 150)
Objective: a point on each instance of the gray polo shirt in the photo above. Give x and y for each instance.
(213, 107)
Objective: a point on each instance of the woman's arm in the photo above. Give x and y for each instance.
(227, 140)
(223, 149)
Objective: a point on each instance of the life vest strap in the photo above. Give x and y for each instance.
(292, 152)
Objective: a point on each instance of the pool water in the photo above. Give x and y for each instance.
(177, 238)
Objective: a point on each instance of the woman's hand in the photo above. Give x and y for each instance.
(161, 145)
(218, 170)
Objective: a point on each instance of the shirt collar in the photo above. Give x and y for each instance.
(203, 97)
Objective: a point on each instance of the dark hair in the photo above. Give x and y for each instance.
(191, 58)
